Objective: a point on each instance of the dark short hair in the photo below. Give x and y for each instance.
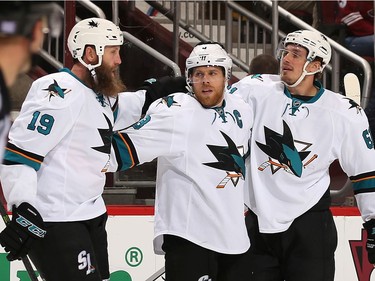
(264, 64)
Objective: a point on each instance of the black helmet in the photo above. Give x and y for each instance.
(18, 18)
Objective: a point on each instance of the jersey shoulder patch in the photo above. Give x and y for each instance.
(58, 90)
(172, 101)
(342, 105)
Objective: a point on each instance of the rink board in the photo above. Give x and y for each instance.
(130, 234)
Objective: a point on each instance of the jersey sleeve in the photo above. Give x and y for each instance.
(356, 157)
(254, 85)
(46, 116)
(152, 136)
(241, 88)
(129, 109)
(357, 147)
(18, 184)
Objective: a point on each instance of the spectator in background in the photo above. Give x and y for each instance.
(304, 10)
(264, 64)
(358, 16)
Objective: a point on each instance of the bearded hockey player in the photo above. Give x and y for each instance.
(58, 152)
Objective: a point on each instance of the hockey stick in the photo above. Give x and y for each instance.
(25, 260)
(352, 87)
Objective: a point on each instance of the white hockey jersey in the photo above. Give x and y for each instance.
(63, 139)
(200, 169)
(293, 144)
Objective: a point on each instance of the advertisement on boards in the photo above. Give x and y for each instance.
(132, 258)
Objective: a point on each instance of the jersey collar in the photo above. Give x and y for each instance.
(309, 100)
(67, 70)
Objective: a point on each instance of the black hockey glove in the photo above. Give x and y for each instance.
(19, 234)
(370, 244)
(162, 87)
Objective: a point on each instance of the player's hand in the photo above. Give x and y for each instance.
(370, 244)
(161, 87)
(19, 234)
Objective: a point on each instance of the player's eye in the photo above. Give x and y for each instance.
(198, 75)
(213, 73)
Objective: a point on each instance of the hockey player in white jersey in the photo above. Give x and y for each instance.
(299, 129)
(58, 152)
(200, 140)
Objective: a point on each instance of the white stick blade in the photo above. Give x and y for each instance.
(352, 87)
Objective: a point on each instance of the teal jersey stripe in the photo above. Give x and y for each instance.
(19, 159)
(368, 184)
(123, 155)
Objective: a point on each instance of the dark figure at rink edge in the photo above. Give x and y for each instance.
(200, 140)
(58, 152)
(23, 25)
(299, 129)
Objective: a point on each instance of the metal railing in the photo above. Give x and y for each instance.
(339, 51)
(52, 52)
(134, 40)
(245, 34)
(54, 48)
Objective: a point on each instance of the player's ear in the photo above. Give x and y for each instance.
(91, 55)
(314, 65)
(37, 37)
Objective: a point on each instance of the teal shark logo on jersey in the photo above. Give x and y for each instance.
(229, 160)
(169, 101)
(355, 105)
(54, 90)
(282, 151)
